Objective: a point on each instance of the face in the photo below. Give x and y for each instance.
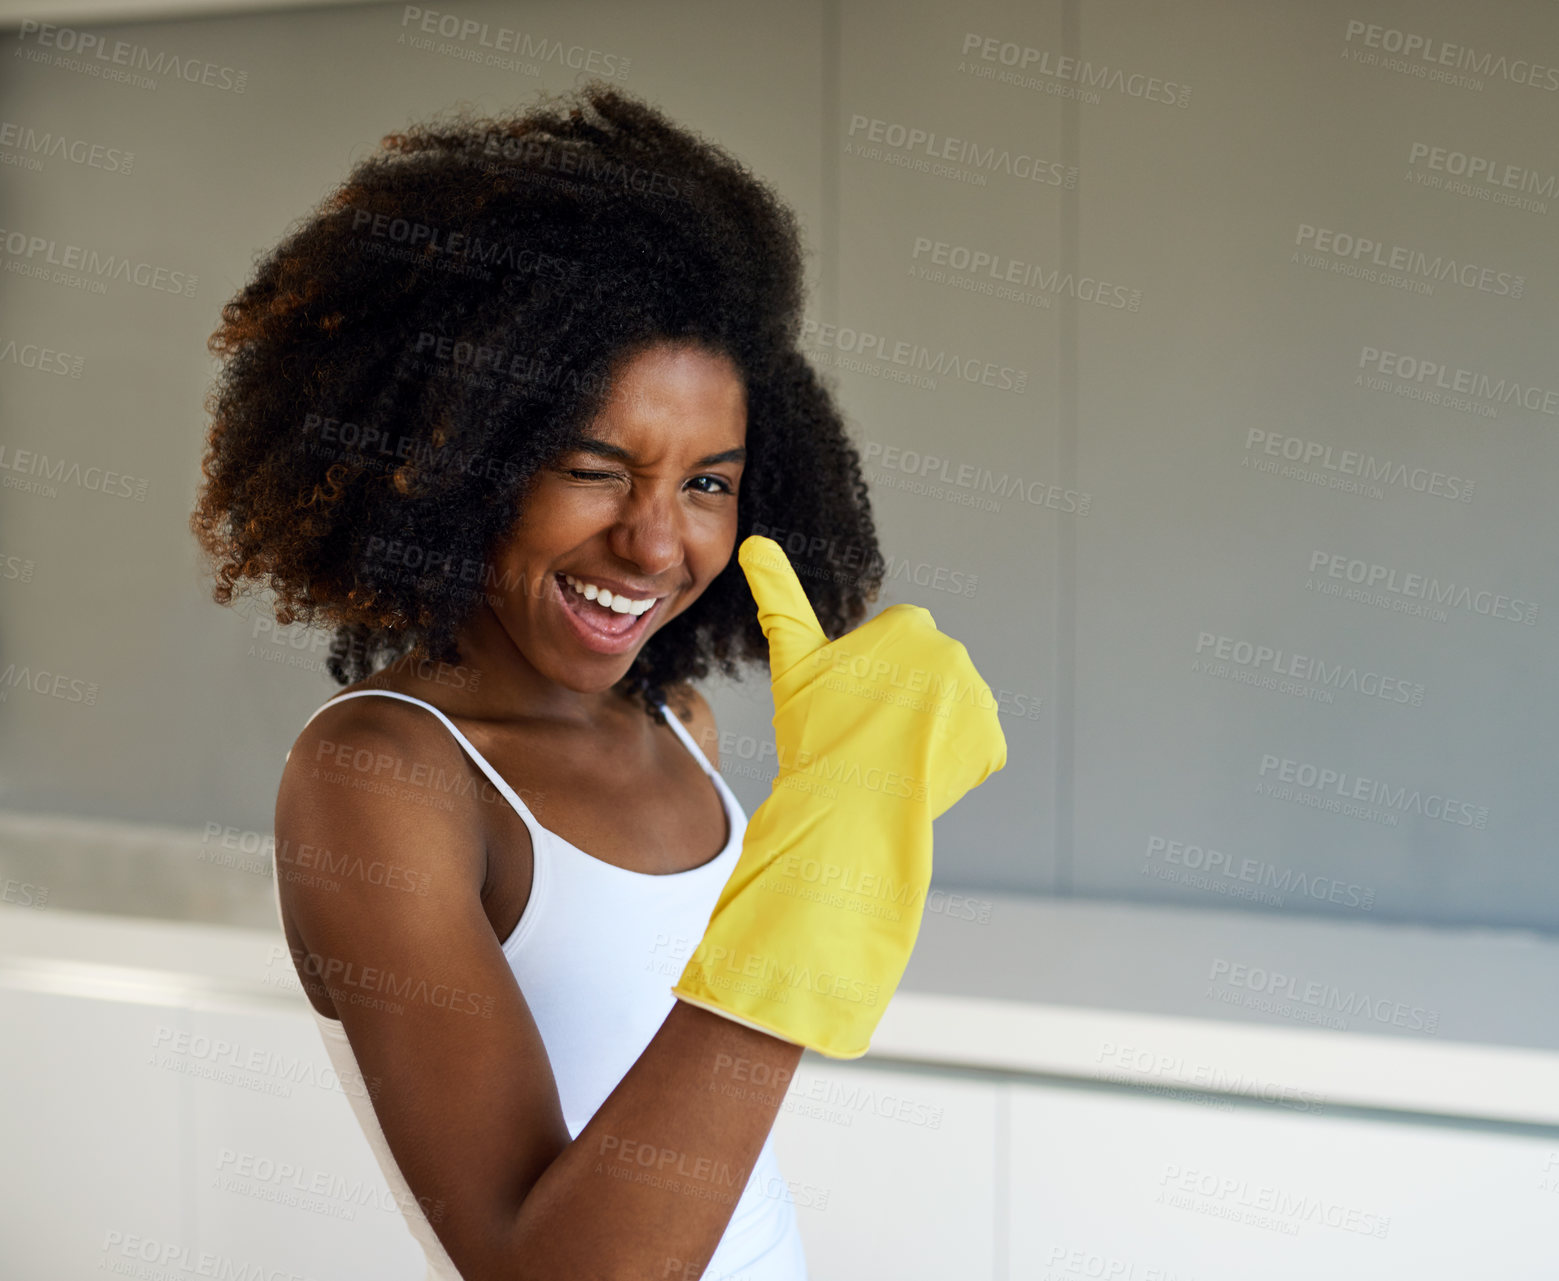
(645, 508)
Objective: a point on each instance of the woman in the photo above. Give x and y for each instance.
(500, 413)
(512, 372)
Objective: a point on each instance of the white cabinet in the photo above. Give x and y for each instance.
(908, 1161)
(135, 1143)
(1115, 1186)
(92, 1135)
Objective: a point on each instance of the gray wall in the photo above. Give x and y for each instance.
(1071, 467)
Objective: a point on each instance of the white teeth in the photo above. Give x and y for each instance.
(618, 604)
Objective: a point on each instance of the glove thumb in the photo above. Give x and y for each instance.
(784, 612)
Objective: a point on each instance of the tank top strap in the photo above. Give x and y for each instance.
(482, 763)
(688, 741)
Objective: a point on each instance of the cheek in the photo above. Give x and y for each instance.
(549, 520)
(512, 578)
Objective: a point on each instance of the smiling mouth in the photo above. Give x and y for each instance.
(601, 628)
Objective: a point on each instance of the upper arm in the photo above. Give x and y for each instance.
(695, 713)
(393, 925)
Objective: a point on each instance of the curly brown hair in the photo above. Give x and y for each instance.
(442, 324)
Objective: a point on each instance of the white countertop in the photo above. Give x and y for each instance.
(1058, 987)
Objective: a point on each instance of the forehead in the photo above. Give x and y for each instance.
(665, 385)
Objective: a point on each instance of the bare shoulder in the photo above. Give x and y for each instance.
(379, 774)
(692, 708)
(372, 744)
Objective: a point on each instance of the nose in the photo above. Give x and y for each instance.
(648, 532)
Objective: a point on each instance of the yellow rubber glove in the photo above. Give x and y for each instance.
(877, 733)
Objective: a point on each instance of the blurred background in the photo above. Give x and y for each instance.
(1204, 360)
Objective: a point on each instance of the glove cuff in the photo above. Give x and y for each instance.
(766, 1028)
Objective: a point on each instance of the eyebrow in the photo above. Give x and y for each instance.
(605, 449)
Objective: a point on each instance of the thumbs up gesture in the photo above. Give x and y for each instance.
(877, 734)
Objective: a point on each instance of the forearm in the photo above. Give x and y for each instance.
(648, 1186)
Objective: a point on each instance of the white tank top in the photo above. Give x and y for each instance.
(596, 952)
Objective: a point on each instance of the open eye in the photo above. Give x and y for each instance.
(725, 487)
